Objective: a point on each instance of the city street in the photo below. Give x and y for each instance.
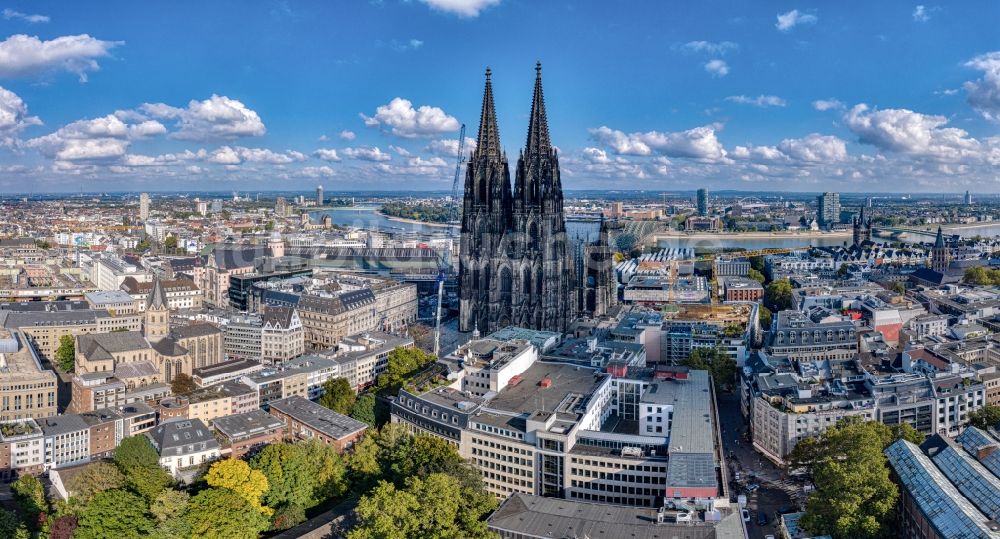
(775, 491)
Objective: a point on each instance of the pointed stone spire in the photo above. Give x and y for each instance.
(488, 142)
(939, 240)
(538, 128)
(157, 298)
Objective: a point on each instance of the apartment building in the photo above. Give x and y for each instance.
(180, 293)
(362, 358)
(307, 420)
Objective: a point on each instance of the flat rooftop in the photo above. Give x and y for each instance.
(537, 516)
(567, 382)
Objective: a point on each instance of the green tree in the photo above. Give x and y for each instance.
(401, 363)
(93, 479)
(288, 475)
(717, 362)
(220, 513)
(239, 477)
(135, 451)
(899, 288)
(142, 246)
(854, 496)
(170, 243)
(182, 384)
(757, 263)
(29, 495)
(114, 513)
(168, 510)
(328, 470)
(140, 464)
(338, 395)
(778, 295)
(10, 525)
(757, 276)
(148, 482)
(765, 317)
(986, 417)
(364, 409)
(426, 507)
(66, 353)
(906, 432)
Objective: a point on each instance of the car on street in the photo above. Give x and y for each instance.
(752, 487)
(746, 515)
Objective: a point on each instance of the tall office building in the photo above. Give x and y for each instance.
(829, 209)
(703, 202)
(968, 198)
(319, 195)
(144, 206)
(281, 208)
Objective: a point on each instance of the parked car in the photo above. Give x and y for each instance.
(746, 515)
(752, 487)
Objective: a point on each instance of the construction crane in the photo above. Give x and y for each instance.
(445, 265)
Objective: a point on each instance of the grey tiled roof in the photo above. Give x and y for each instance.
(182, 437)
(317, 417)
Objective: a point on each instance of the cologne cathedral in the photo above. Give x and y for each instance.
(517, 265)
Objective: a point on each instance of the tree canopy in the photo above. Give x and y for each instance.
(220, 513)
(717, 362)
(778, 295)
(338, 395)
(854, 495)
(985, 417)
(66, 353)
(95, 478)
(239, 477)
(114, 513)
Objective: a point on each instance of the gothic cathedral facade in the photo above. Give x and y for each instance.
(516, 263)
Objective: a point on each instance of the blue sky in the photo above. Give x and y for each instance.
(236, 95)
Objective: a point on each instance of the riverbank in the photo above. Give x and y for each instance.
(736, 236)
(411, 221)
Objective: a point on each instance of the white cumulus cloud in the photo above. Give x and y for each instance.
(218, 117)
(327, 154)
(912, 133)
(793, 18)
(827, 104)
(363, 153)
(718, 68)
(347, 135)
(699, 143)
(984, 94)
(13, 116)
(405, 121)
(22, 55)
(462, 8)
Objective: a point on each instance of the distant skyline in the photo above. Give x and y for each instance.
(282, 95)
